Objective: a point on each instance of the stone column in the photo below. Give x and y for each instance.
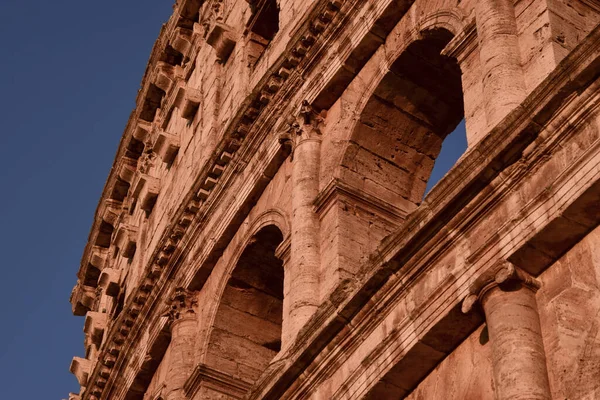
(503, 80)
(507, 296)
(183, 333)
(302, 273)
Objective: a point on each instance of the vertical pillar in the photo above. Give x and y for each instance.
(302, 275)
(183, 332)
(507, 296)
(503, 80)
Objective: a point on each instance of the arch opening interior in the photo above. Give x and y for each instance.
(416, 105)
(247, 329)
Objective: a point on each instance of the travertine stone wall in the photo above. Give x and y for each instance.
(570, 314)
(464, 374)
(548, 31)
(264, 233)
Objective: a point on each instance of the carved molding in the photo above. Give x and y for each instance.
(463, 44)
(337, 190)
(236, 132)
(282, 251)
(206, 375)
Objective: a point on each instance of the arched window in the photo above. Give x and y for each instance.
(246, 334)
(403, 124)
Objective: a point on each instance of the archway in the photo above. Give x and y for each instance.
(403, 124)
(246, 334)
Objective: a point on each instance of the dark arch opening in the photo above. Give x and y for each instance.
(262, 26)
(402, 127)
(265, 18)
(247, 330)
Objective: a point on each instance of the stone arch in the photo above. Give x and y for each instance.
(413, 101)
(246, 327)
(450, 19)
(273, 216)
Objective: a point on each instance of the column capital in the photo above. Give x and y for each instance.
(305, 125)
(182, 304)
(310, 121)
(503, 272)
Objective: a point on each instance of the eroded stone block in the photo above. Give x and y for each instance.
(80, 367)
(166, 146)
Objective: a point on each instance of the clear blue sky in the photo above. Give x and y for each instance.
(69, 74)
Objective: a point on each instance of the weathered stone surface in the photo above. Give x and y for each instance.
(264, 233)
